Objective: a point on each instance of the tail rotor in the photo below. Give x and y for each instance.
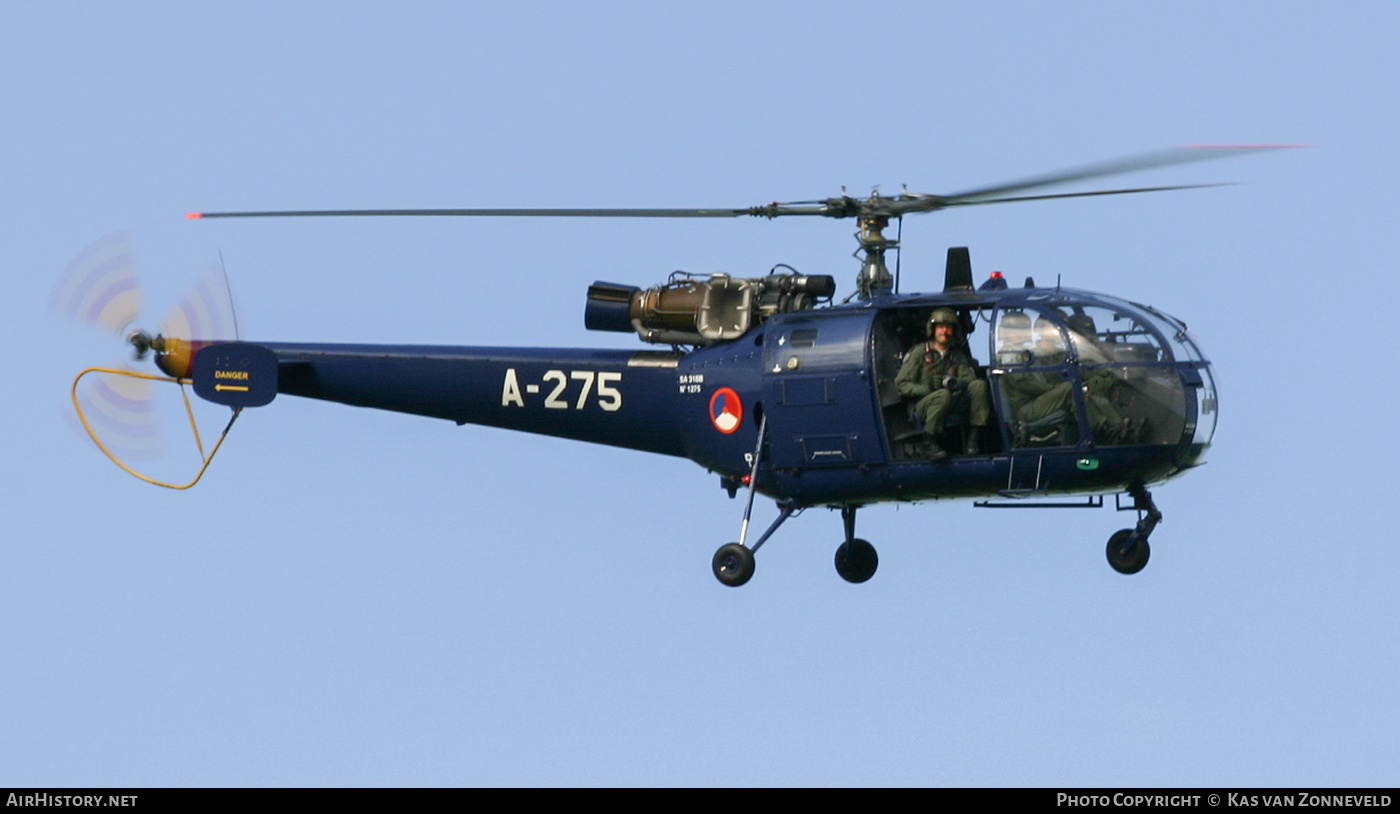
(117, 405)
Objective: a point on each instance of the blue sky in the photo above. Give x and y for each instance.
(360, 598)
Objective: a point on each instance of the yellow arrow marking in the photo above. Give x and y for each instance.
(238, 387)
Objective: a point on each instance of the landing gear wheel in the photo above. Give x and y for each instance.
(733, 565)
(1127, 559)
(856, 561)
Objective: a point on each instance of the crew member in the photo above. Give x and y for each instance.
(1039, 395)
(1110, 427)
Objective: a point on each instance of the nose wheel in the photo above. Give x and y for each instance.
(1128, 550)
(1126, 555)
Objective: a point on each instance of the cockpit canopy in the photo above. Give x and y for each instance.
(1135, 364)
(1069, 368)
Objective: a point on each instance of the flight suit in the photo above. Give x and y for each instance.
(1103, 416)
(924, 376)
(1037, 394)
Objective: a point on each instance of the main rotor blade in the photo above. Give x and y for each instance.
(1078, 194)
(1146, 161)
(842, 207)
(487, 213)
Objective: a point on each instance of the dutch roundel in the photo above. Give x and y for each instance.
(726, 410)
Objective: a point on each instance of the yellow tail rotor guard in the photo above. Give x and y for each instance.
(189, 411)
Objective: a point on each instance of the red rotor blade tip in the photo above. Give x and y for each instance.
(194, 215)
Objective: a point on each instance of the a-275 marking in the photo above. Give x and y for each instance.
(609, 397)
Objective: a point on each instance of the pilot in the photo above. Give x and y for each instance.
(1038, 395)
(941, 377)
(1109, 425)
(1086, 338)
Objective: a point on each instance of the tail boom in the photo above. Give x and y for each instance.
(619, 398)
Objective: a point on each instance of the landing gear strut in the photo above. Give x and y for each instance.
(856, 559)
(1128, 550)
(733, 562)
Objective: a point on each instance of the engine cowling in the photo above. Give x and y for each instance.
(694, 310)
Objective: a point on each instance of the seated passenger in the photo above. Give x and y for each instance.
(1110, 427)
(940, 376)
(1041, 396)
(1037, 396)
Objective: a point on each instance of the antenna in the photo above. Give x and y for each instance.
(232, 306)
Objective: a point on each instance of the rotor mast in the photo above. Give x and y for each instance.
(874, 279)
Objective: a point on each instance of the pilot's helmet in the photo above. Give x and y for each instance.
(942, 316)
(1083, 324)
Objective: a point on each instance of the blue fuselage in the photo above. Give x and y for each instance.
(837, 432)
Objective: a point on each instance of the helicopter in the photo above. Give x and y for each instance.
(777, 388)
